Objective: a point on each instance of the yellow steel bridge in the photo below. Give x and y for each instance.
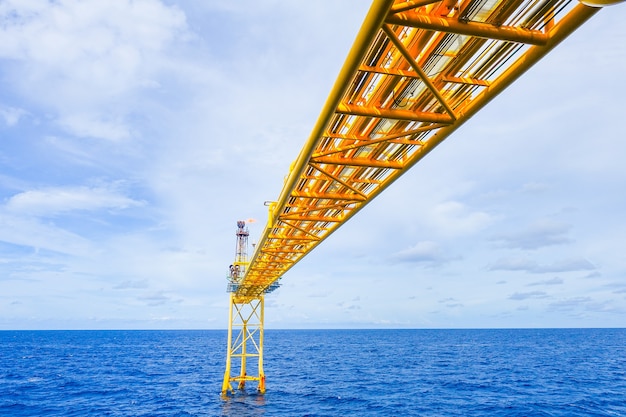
(416, 72)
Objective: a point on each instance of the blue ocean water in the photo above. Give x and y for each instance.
(529, 372)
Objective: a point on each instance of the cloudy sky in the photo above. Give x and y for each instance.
(134, 134)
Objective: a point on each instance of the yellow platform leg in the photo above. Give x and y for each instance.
(245, 341)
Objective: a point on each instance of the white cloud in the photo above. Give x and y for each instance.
(52, 201)
(450, 302)
(11, 115)
(427, 252)
(83, 59)
(98, 41)
(37, 235)
(535, 188)
(125, 285)
(551, 281)
(542, 233)
(456, 218)
(90, 125)
(157, 299)
(526, 295)
(570, 304)
(530, 266)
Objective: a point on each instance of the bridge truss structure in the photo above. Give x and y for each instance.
(416, 72)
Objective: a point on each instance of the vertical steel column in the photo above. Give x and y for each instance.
(244, 353)
(226, 383)
(261, 387)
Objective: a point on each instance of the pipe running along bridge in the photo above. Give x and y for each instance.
(415, 73)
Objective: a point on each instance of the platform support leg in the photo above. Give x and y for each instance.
(226, 387)
(245, 343)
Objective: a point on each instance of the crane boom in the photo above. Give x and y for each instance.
(416, 72)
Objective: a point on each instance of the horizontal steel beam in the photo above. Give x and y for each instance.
(327, 196)
(396, 114)
(481, 30)
(312, 218)
(465, 80)
(288, 237)
(358, 162)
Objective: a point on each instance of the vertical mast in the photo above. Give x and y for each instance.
(238, 268)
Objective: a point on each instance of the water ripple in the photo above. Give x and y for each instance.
(574, 372)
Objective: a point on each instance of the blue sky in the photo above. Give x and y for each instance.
(136, 133)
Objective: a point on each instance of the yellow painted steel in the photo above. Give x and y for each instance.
(415, 73)
(245, 342)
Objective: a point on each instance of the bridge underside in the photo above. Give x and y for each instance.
(416, 72)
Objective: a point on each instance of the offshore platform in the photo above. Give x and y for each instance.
(416, 72)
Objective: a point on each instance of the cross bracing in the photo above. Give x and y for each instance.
(416, 72)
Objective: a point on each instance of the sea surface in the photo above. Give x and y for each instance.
(529, 372)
